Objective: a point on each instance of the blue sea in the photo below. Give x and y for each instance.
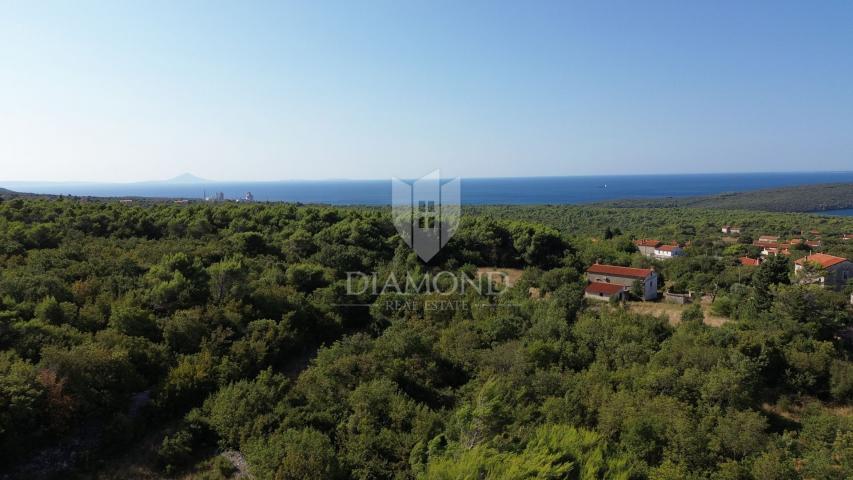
(847, 212)
(522, 190)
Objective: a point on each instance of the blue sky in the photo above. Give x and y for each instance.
(123, 91)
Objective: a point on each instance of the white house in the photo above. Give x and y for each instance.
(668, 251)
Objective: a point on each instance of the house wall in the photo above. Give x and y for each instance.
(605, 298)
(647, 251)
(664, 254)
(837, 276)
(678, 298)
(651, 287)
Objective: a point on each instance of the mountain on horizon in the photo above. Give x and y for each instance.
(186, 178)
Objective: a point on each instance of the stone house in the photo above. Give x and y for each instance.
(647, 246)
(835, 272)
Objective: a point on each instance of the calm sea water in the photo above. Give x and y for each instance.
(527, 190)
(847, 212)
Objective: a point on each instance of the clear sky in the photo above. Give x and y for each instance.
(122, 91)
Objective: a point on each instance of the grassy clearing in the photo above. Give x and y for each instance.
(673, 312)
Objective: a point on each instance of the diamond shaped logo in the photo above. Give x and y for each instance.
(426, 212)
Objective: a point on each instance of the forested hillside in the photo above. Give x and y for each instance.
(682, 223)
(803, 198)
(141, 341)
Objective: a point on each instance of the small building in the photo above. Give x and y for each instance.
(604, 291)
(728, 229)
(768, 239)
(125, 201)
(835, 272)
(749, 262)
(665, 252)
(678, 298)
(774, 248)
(625, 277)
(647, 246)
(847, 236)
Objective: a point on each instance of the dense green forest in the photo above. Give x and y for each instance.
(676, 223)
(804, 198)
(143, 341)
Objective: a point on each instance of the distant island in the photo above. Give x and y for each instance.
(187, 178)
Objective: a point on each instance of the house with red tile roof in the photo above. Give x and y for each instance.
(826, 270)
(750, 262)
(605, 291)
(625, 277)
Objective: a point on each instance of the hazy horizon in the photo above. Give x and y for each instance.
(199, 180)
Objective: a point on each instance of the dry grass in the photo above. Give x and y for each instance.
(673, 312)
(794, 410)
(510, 274)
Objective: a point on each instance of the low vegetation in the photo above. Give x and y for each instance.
(228, 328)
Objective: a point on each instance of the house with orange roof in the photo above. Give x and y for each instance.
(625, 277)
(826, 270)
(605, 291)
(749, 262)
